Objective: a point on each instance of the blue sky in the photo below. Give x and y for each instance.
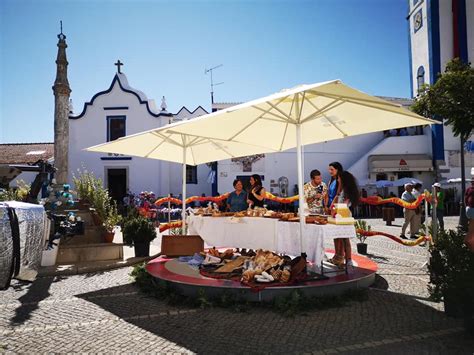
(265, 46)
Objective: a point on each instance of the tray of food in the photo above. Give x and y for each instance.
(223, 214)
(287, 216)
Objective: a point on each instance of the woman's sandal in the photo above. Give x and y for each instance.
(338, 261)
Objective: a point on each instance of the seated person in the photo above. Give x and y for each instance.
(237, 200)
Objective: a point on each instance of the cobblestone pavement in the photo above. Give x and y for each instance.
(104, 312)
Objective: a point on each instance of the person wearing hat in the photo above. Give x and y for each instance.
(409, 214)
(439, 203)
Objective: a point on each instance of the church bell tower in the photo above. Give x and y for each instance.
(62, 92)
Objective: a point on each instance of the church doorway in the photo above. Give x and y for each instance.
(117, 183)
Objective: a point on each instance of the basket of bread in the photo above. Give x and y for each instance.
(260, 266)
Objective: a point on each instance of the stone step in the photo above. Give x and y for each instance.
(85, 215)
(71, 254)
(92, 235)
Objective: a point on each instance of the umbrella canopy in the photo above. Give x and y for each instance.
(383, 183)
(303, 115)
(326, 111)
(177, 147)
(457, 180)
(403, 181)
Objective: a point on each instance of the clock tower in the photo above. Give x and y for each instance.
(439, 30)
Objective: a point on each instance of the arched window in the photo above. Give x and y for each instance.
(420, 77)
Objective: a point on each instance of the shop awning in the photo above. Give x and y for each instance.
(396, 163)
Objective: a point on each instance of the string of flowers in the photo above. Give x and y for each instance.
(371, 200)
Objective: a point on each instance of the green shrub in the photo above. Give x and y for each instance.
(451, 268)
(138, 230)
(363, 225)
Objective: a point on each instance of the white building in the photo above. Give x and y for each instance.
(122, 110)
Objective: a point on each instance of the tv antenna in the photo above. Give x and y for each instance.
(212, 81)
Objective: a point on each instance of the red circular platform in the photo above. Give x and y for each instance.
(188, 281)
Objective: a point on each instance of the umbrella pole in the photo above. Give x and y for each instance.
(183, 196)
(299, 160)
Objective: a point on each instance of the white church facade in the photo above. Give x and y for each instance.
(122, 110)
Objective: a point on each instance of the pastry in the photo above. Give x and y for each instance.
(285, 276)
(214, 252)
(227, 254)
(248, 275)
(232, 265)
(268, 276)
(276, 274)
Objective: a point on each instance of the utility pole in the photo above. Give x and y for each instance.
(212, 80)
(214, 164)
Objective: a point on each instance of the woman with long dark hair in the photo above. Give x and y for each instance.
(335, 169)
(256, 194)
(349, 194)
(349, 190)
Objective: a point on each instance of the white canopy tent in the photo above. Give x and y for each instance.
(181, 148)
(302, 115)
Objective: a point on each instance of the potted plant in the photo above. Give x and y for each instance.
(179, 243)
(362, 226)
(85, 185)
(451, 269)
(139, 232)
(110, 222)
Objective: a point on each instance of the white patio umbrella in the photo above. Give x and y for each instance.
(303, 115)
(177, 147)
(403, 181)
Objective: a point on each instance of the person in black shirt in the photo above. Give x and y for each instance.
(257, 193)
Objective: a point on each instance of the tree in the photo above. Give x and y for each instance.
(451, 99)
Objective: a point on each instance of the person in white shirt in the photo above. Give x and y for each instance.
(409, 214)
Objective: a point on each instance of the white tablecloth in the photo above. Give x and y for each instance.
(267, 233)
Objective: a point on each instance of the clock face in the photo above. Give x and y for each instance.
(418, 20)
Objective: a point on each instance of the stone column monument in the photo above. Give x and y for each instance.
(61, 91)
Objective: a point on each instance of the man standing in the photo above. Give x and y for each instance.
(314, 192)
(439, 203)
(409, 214)
(417, 191)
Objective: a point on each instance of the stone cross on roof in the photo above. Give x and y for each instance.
(118, 64)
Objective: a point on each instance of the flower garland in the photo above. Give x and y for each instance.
(377, 200)
(171, 225)
(371, 200)
(408, 243)
(177, 201)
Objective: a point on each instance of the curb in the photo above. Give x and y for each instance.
(78, 269)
